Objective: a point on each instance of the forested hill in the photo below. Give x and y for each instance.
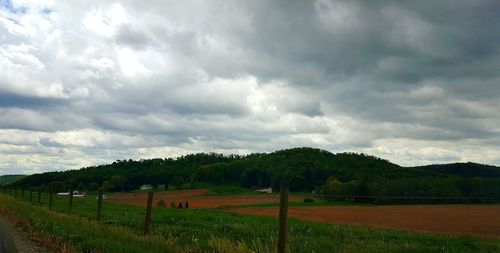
(9, 179)
(307, 169)
(464, 169)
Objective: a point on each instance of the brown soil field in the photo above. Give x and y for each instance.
(196, 198)
(475, 220)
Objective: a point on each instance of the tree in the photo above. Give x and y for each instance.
(106, 186)
(92, 186)
(116, 183)
(333, 186)
(57, 186)
(250, 177)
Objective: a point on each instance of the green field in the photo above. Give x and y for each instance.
(207, 230)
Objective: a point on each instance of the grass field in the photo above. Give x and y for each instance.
(208, 230)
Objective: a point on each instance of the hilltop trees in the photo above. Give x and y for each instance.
(306, 168)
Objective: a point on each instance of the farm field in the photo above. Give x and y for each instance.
(208, 230)
(476, 220)
(197, 198)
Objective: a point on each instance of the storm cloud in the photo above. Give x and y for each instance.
(85, 83)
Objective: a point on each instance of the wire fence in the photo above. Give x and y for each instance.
(407, 199)
(89, 205)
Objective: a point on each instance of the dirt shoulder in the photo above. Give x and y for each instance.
(22, 244)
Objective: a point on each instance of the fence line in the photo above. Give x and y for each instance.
(434, 199)
(69, 208)
(147, 222)
(283, 219)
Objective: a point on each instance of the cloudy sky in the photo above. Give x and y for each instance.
(89, 82)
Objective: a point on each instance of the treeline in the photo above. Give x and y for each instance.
(415, 190)
(306, 169)
(126, 175)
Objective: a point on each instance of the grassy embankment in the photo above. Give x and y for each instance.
(191, 230)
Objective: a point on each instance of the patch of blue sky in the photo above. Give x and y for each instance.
(46, 11)
(7, 5)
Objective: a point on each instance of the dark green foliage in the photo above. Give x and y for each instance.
(129, 174)
(308, 200)
(57, 186)
(305, 169)
(468, 170)
(161, 203)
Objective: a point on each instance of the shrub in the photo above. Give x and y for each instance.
(308, 200)
(161, 203)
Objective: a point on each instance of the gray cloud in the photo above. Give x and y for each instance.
(8, 99)
(411, 81)
(128, 36)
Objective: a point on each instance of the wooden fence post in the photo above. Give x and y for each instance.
(283, 219)
(39, 196)
(71, 200)
(50, 200)
(15, 192)
(31, 195)
(99, 205)
(147, 222)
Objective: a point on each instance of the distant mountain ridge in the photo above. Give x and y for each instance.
(468, 169)
(9, 179)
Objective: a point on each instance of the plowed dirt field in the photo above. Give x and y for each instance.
(476, 220)
(196, 198)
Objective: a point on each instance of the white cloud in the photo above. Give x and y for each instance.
(105, 20)
(84, 83)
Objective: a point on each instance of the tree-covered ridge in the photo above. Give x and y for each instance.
(464, 169)
(9, 179)
(306, 168)
(130, 174)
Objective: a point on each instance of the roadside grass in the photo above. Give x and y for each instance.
(209, 230)
(60, 232)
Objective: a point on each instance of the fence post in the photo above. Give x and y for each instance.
(99, 205)
(71, 200)
(39, 196)
(15, 192)
(147, 222)
(50, 199)
(283, 218)
(31, 195)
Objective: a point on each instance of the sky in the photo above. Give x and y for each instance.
(87, 82)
